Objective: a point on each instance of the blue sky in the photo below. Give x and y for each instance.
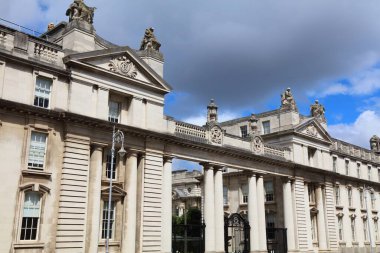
(245, 53)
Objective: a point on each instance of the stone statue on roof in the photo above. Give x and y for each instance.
(375, 143)
(78, 10)
(287, 100)
(149, 41)
(318, 111)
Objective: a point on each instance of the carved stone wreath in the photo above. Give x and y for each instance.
(257, 145)
(124, 66)
(216, 135)
(311, 130)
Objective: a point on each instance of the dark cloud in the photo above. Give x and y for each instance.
(242, 52)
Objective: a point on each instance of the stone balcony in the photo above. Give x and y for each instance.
(354, 151)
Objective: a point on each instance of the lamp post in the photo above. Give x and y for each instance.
(117, 137)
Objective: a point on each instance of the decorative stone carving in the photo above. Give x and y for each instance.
(312, 130)
(253, 125)
(212, 112)
(257, 145)
(78, 10)
(216, 135)
(124, 66)
(149, 42)
(287, 101)
(375, 143)
(318, 111)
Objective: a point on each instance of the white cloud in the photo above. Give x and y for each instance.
(200, 119)
(360, 131)
(334, 90)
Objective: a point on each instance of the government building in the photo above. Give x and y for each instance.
(87, 151)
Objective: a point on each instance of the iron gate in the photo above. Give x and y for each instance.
(188, 238)
(277, 240)
(236, 234)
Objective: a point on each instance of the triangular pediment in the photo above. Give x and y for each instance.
(313, 129)
(121, 62)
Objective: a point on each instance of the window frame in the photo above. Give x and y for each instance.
(340, 228)
(353, 229)
(337, 194)
(225, 195)
(269, 194)
(244, 198)
(334, 163)
(264, 127)
(349, 197)
(104, 219)
(347, 167)
(119, 106)
(29, 142)
(43, 75)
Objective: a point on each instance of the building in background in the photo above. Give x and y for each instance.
(62, 93)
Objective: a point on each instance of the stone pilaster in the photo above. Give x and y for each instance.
(94, 192)
(167, 205)
(321, 218)
(129, 227)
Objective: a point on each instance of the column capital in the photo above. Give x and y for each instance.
(168, 158)
(250, 173)
(133, 152)
(207, 165)
(288, 179)
(98, 145)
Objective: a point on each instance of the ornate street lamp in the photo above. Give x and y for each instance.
(117, 137)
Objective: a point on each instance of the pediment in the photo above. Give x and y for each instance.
(312, 129)
(122, 62)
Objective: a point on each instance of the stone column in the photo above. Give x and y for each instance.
(289, 214)
(261, 214)
(308, 217)
(209, 208)
(166, 236)
(321, 218)
(128, 243)
(252, 213)
(219, 211)
(94, 192)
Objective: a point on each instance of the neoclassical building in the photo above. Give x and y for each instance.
(61, 95)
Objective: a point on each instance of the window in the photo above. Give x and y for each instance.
(314, 233)
(225, 195)
(349, 193)
(37, 149)
(347, 166)
(270, 219)
(361, 196)
(340, 228)
(42, 92)
(113, 111)
(365, 229)
(378, 175)
(311, 192)
(373, 200)
(369, 172)
(337, 195)
(30, 216)
(311, 152)
(266, 127)
(110, 172)
(105, 217)
(376, 228)
(269, 191)
(358, 170)
(244, 193)
(244, 131)
(353, 232)
(335, 163)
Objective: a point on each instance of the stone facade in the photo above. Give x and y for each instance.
(62, 93)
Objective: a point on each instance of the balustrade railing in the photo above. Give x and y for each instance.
(355, 151)
(190, 132)
(45, 52)
(270, 150)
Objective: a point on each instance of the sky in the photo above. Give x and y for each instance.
(245, 53)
